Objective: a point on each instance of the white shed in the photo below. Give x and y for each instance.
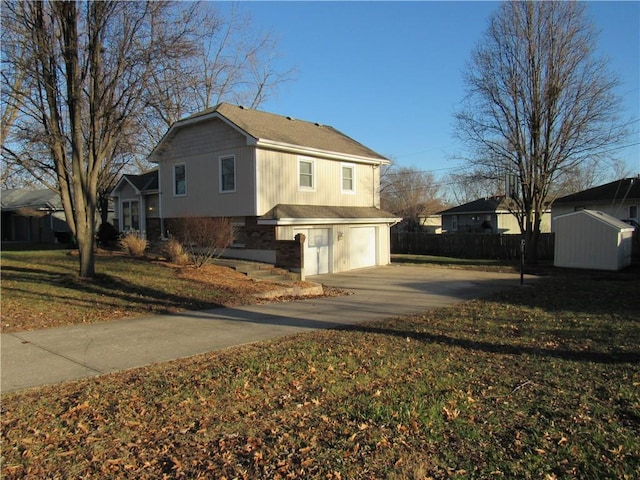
(592, 239)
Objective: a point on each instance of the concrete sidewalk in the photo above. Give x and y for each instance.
(56, 355)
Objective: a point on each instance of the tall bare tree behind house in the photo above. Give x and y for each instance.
(539, 104)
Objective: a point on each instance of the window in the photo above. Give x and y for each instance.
(348, 178)
(228, 174)
(305, 174)
(454, 222)
(180, 179)
(633, 212)
(130, 215)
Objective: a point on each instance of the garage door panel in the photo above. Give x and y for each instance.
(362, 247)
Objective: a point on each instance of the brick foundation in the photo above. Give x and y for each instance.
(289, 253)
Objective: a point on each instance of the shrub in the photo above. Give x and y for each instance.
(107, 234)
(134, 244)
(175, 252)
(204, 238)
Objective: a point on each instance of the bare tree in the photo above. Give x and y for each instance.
(540, 103)
(85, 69)
(86, 83)
(410, 193)
(234, 62)
(471, 185)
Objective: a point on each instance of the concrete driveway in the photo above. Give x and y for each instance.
(56, 355)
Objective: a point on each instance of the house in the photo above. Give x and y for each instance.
(33, 216)
(137, 200)
(486, 215)
(279, 179)
(431, 223)
(592, 239)
(620, 199)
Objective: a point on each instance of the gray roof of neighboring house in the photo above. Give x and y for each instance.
(482, 205)
(43, 199)
(319, 211)
(620, 190)
(286, 130)
(144, 182)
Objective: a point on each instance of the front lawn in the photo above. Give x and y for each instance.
(539, 382)
(462, 263)
(42, 289)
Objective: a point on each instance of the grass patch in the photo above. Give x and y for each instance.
(537, 382)
(42, 289)
(451, 262)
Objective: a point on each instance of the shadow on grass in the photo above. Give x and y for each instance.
(612, 357)
(103, 285)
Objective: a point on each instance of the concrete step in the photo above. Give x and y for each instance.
(259, 271)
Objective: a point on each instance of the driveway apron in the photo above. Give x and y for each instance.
(55, 355)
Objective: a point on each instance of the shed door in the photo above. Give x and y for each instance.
(362, 247)
(316, 250)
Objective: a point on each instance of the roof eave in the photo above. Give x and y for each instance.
(290, 148)
(326, 221)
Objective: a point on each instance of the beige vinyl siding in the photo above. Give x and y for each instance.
(278, 182)
(507, 224)
(200, 147)
(201, 137)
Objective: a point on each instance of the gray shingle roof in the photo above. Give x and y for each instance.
(277, 128)
(144, 182)
(623, 189)
(482, 205)
(43, 199)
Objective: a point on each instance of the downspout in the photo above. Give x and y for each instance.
(162, 231)
(373, 185)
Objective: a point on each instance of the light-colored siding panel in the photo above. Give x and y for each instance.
(278, 182)
(198, 138)
(199, 147)
(127, 191)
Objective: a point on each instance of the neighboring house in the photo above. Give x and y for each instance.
(275, 177)
(431, 223)
(137, 200)
(486, 215)
(620, 199)
(33, 216)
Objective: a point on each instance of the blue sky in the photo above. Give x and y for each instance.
(389, 74)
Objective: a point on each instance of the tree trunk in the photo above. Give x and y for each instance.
(86, 257)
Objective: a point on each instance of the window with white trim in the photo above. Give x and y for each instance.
(130, 215)
(179, 179)
(348, 178)
(306, 177)
(227, 174)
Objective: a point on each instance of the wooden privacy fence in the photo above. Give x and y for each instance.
(467, 245)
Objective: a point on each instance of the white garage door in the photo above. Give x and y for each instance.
(316, 250)
(362, 247)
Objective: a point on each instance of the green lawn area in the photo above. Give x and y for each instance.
(450, 262)
(539, 382)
